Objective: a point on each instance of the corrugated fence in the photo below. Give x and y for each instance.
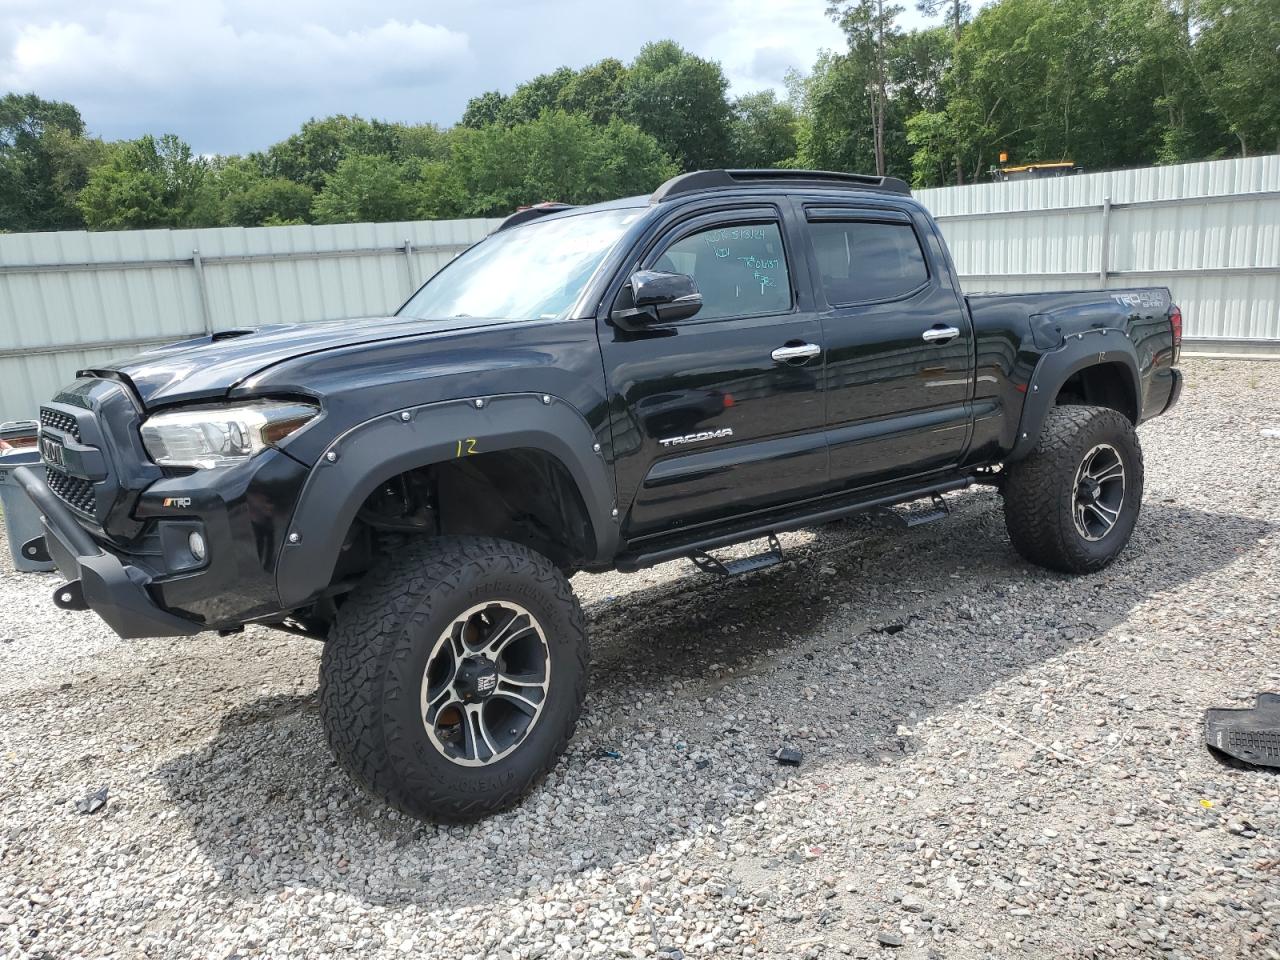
(71, 300)
(1209, 231)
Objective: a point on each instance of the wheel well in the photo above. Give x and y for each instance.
(1101, 385)
(523, 495)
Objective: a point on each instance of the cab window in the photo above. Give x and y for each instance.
(861, 261)
(741, 270)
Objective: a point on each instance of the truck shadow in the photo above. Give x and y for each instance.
(696, 682)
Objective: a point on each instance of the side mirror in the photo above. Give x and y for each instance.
(659, 298)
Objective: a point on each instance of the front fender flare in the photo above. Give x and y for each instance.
(372, 452)
(1078, 351)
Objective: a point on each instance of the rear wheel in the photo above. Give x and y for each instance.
(453, 679)
(1073, 503)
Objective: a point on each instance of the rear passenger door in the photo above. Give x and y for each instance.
(899, 344)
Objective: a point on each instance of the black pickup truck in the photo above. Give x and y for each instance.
(588, 388)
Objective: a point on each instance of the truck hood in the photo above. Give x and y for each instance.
(209, 366)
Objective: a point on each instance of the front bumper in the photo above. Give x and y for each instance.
(98, 580)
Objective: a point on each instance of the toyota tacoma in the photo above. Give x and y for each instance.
(589, 388)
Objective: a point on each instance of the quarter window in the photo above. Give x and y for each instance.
(741, 270)
(867, 260)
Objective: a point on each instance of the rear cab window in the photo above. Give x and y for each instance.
(865, 257)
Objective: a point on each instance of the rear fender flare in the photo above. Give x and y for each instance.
(372, 452)
(1078, 351)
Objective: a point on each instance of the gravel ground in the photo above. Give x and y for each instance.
(997, 760)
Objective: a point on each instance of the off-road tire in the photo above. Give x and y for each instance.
(372, 670)
(1038, 491)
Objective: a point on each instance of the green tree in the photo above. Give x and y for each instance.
(597, 91)
(249, 198)
(957, 12)
(918, 64)
(679, 100)
(484, 109)
(559, 156)
(1091, 81)
(314, 152)
(837, 128)
(534, 96)
(836, 133)
(937, 155)
(764, 130)
(871, 27)
(440, 191)
(366, 188)
(148, 182)
(1236, 58)
(24, 118)
(45, 159)
(422, 141)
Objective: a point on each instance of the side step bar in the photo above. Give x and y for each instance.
(732, 568)
(941, 510)
(656, 551)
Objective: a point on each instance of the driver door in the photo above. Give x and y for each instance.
(721, 414)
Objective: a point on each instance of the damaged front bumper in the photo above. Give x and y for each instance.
(97, 580)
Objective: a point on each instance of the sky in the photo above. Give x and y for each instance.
(230, 76)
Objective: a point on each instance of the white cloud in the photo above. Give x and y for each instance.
(216, 73)
(236, 75)
(758, 50)
(197, 47)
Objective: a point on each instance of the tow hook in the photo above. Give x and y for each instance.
(36, 549)
(70, 596)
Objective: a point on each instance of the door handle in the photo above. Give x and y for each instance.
(801, 352)
(939, 334)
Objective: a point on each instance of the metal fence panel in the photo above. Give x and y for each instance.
(75, 299)
(1208, 231)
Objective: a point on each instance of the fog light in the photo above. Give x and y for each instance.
(196, 544)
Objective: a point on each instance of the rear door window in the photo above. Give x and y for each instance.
(865, 260)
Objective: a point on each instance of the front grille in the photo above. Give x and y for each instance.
(74, 492)
(60, 421)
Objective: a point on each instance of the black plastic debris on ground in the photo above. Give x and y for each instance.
(895, 627)
(1250, 735)
(788, 756)
(604, 754)
(92, 802)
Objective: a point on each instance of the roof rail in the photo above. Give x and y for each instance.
(525, 214)
(701, 180)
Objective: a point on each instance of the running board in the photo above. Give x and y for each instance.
(941, 510)
(733, 568)
(655, 550)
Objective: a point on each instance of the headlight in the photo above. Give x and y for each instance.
(211, 436)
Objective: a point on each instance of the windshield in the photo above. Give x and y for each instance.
(531, 272)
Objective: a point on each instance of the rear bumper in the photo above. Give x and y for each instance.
(114, 590)
(1175, 390)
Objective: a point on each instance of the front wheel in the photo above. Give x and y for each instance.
(1073, 503)
(453, 678)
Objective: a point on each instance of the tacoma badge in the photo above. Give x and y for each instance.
(697, 437)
